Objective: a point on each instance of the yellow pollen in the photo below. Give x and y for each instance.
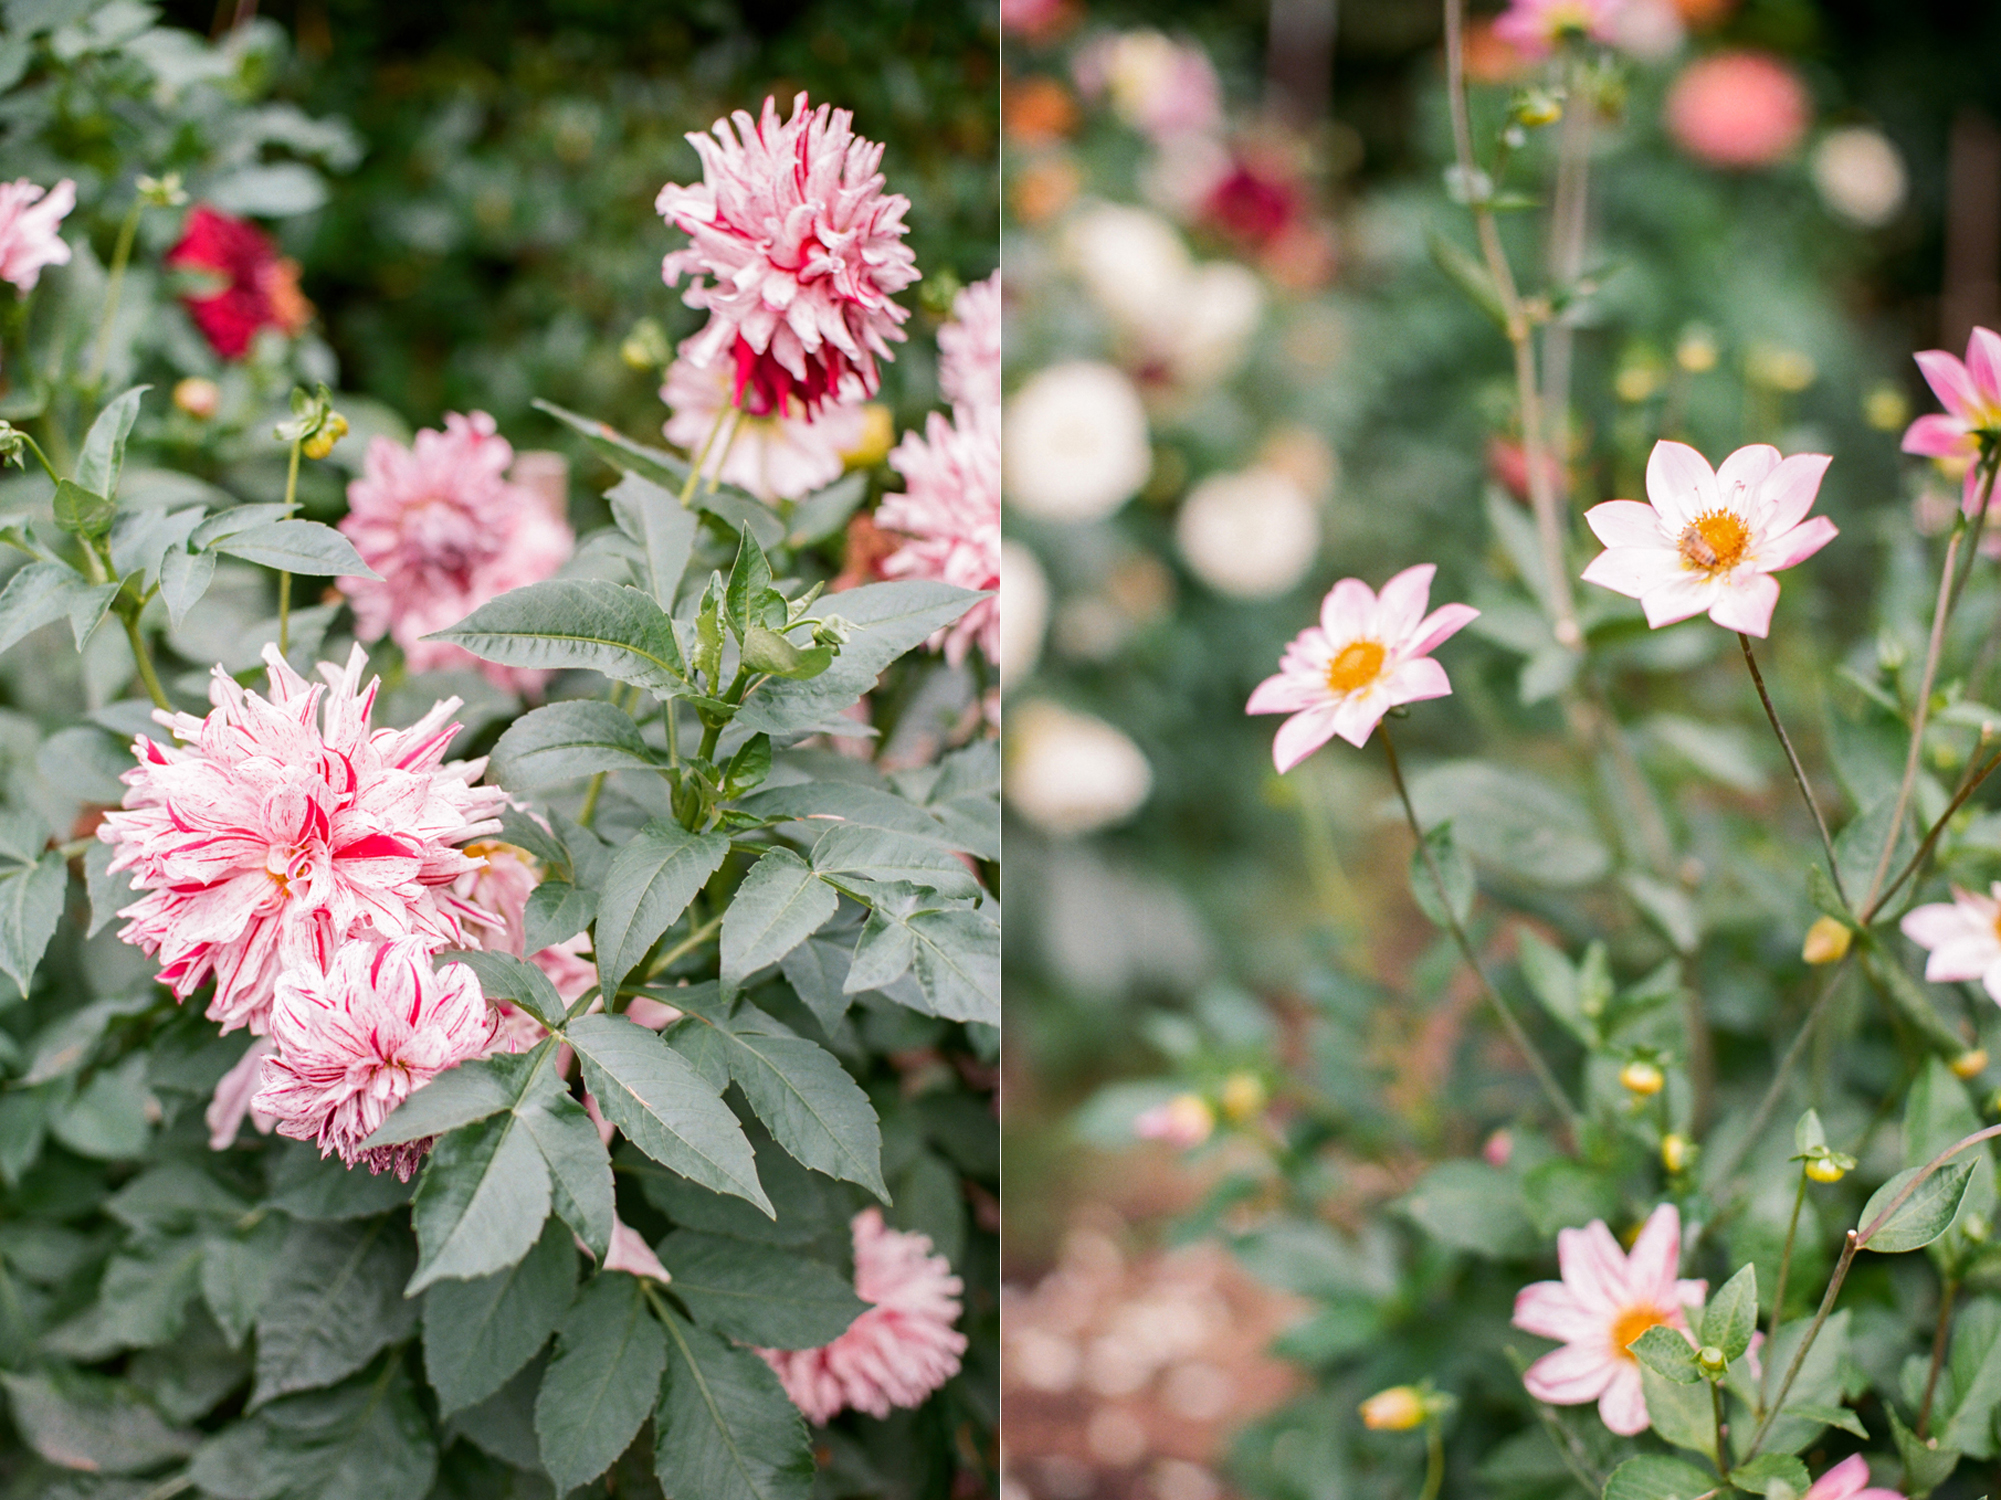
(1357, 665)
(1630, 1324)
(1715, 542)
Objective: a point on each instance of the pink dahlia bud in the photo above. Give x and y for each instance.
(774, 457)
(899, 1351)
(272, 833)
(29, 218)
(796, 254)
(354, 1041)
(254, 287)
(448, 531)
(950, 509)
(1738, 109)
(969, 347)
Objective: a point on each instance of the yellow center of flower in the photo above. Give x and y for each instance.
(1630, 1324)
(1358, 664)
(1715, 542)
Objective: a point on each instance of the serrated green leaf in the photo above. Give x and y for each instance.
(458, 1096)
(103, 453)
(750, 578)
(565, 741)
(1666, 1352)
(607, 628)
(556, 912)
(31, 903)
(653, 516)
(482, 1202)
(724, 1428)
(98, 1426)
(780, 904)
(649, 885)
(39, 594)
(759, 1294)
(502, 976)
(602, 1382)
(83, 512)
(580, 1181)
(478, 1333)
(880, 855)
(335, 1299)
(368, 1440)
(1768, 1470)
(295, 546)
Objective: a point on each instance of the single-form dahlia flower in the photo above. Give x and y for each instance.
(950, 509)
(899, 1351)
(1849, 1480)
(1963, 937)
(1710, 540)
(1368, 654)
(775, 457)
(969, 347)
(29, 218)
(1970, 391)
(1535, 28)
(270, 834)
(259, 287)
(1605, 1301)
(448, 531)
(352, 1042)
(796, 255)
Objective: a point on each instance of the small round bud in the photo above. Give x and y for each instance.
(1696, 353)
(1643, 1077)
(1499, 1148)
(1827, 941)
(1970, 1063)
(1676, 1152)
(1824, 1169)
(1398, 1409)
(321, 443)
(1243, 1095)
(646, 347)
(1711, 1359)
(198, 397)
(1539, 107)
(878, 436)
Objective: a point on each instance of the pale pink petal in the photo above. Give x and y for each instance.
(1983, 365)
(1740, 475)
(1966, 956)
(1634, 571)
(1551, 1310)
(1795, 546)
(1935, 435)
(1746, 602)
(1440, 626)
(1416, 682)
(1347, 610)
(1627, 523)
(1681, 484)
(1935, 924)
(1357, 715)
(1286, 693)
(1656, 1257)
(1788, 493)
(1678, 598)
(1842, 1482)
(1593, 1265)
(1623, 1407)
(1401, 604)
(1301, 735)
(1949, 379)
(1571, 1375)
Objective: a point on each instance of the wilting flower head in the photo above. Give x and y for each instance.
(775, 457)
(1849, 1480)
(1971, 394)
(899, 1351)
(353, 1041)
(950, 509)
(1605, 1301)
(797, 252)
(29, 218)
(969, 347)
(1367, 655)
(260, 288)
(272, 833)
(1738, 109)
(1534, 28)
(1963, 937)
(1711, 539)
(448, 531)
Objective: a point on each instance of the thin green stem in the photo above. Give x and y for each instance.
(144, 660)
(1722, 1432)
(1434, 1462)
(1948, 1291)
(1793, 760)
(1776, 1089)
(121, 253)
(40, 457)
(1779, 1291)
(1848, 1249)
(284, 578)
(683, 948)
(1967, 789)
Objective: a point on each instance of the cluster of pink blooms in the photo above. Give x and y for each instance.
(30, 217)
(899, 1351)
(447, 531)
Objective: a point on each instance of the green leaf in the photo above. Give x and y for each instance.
(1927, 1463)
(1454, 869)
(1470, 1206)
(1514, 821)
(237, 1271)
(818, 805)
(458, 1096)
(37, 595)
(1967, 1424)
(601, 1384)
(725, 1429)
(296, 546)
(335, 1299)
(749, 581)
(759, 1294)
(97, 1426)
(955, 955)
(83, 512)
(1652, 1477)
(780, 904)
(817, 970)
(31, 903)
(1828, 1416)
(883, 954)
(1818, 1385)
(879, 855)
(564, 741)
(579, 1167)
(767, 651)
(826, 511)
(478, 1333)
(368, 1440)
(502, 976)
(655, 464)
(482, 1201)
(1922, 1217)
(604, 627)
(665, 1107)
(649, 885)
(103, 453)
(653, 516)
(1666, 1353)
(1767, 1470)
(556, 912)
(1732, 1314)
(1553, 980)
(1820, 890)
(305, 1185)
(1809, 1134)
(1912, 1000)
(184, 578)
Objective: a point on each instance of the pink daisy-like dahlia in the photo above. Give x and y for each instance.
(352, 1042)
(1849, 1480)
(1970, 391)
(1535, 28)
(774, 457)
(1711, 539)
(1368, 654)
(899, 1351)
(29, 219)
(447, 530)
(1605, 1301)
(969, 347)
(1963, 937)
(950, 509)
(796, 254)
(272, 833)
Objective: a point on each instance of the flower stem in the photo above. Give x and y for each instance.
(1779, 1291)
(1794, 1052)
(284, 578)
(1568, 224)
(40, 457)
(1848, 1249)
(1948, 1291)
(1966, 790)
(144, 660)
(121, 254)
(1434, 1463)
(1793, 760)
(1550, 1087)
(1722, 1432)
(683, 948)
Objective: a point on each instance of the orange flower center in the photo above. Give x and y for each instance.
(1358, 664)
(1715, 542)
(1630, 1324)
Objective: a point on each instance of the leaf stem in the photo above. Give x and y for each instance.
(1434, 1462)
(683, 948)
(285, 578)
(121, 254)
(1948, 1290)
(1794, 1051)
(1793, 760)
(1779, 1290)
(41, 457)
(1722, 1439)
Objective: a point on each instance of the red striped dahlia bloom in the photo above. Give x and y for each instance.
(278, 828)
(796, 254)
(951, 512)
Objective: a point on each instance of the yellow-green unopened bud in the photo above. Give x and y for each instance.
(1711, 1359)
(1827, 941)
(321, 443)
(1243, 1095)
(1824, 1169)
(1970, 1063)
(1642, 1077)
(1398, 1409)
(1539, 107)
(1676, 1152)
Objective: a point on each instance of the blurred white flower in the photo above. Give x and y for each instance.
(1651, 30)
(1860, 175)
(1220, 308)
(1024, 612)
(1070, 773)
(1250, 535)
(1157, 85)
(1075, 443)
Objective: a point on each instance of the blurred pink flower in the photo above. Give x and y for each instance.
(1963, 937)
(969, 347)
(1738, 109)
(231, 1101)
(1849, 1480)
(1185, 1121)
(1160, 87)
(774, 457)
(1499, 1148)
(1606, 1300)
(630, 1253)
(1367, 655)
(262, 840)
(1710, 540)
(447, 531)
(1535, 28)
(950, 509)
(1971, 395)
(352, 1042)
(899, 1351)
(29, 219)
(797, 252)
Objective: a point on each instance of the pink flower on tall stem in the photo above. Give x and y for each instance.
(448, 531)
(1368, 654)
(969, 347)
(1710, 540)
(950, 510)
(796, 255)
(353, 1042)
(272, 833)
(30, 217)
(1605, 1301)
(773, 457)
(1849, 1480)
(1962, 936)
(1971, 394)
(1535, 28)
(899, 1351)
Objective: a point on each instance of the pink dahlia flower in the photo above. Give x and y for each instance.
(1535, 28)
(29, 219)
(796, 254)
(899, 1351)
(352, 1042)
(969, 348)
(1963, 937)
(230, 1103)
(1606, 1300)
(270, 834)
(1368, 654)
(1849, 1480)
(1738, 109)
(1711, 539)
(1971, 395)
(774, 457)
(950, 509)
(447, 530)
